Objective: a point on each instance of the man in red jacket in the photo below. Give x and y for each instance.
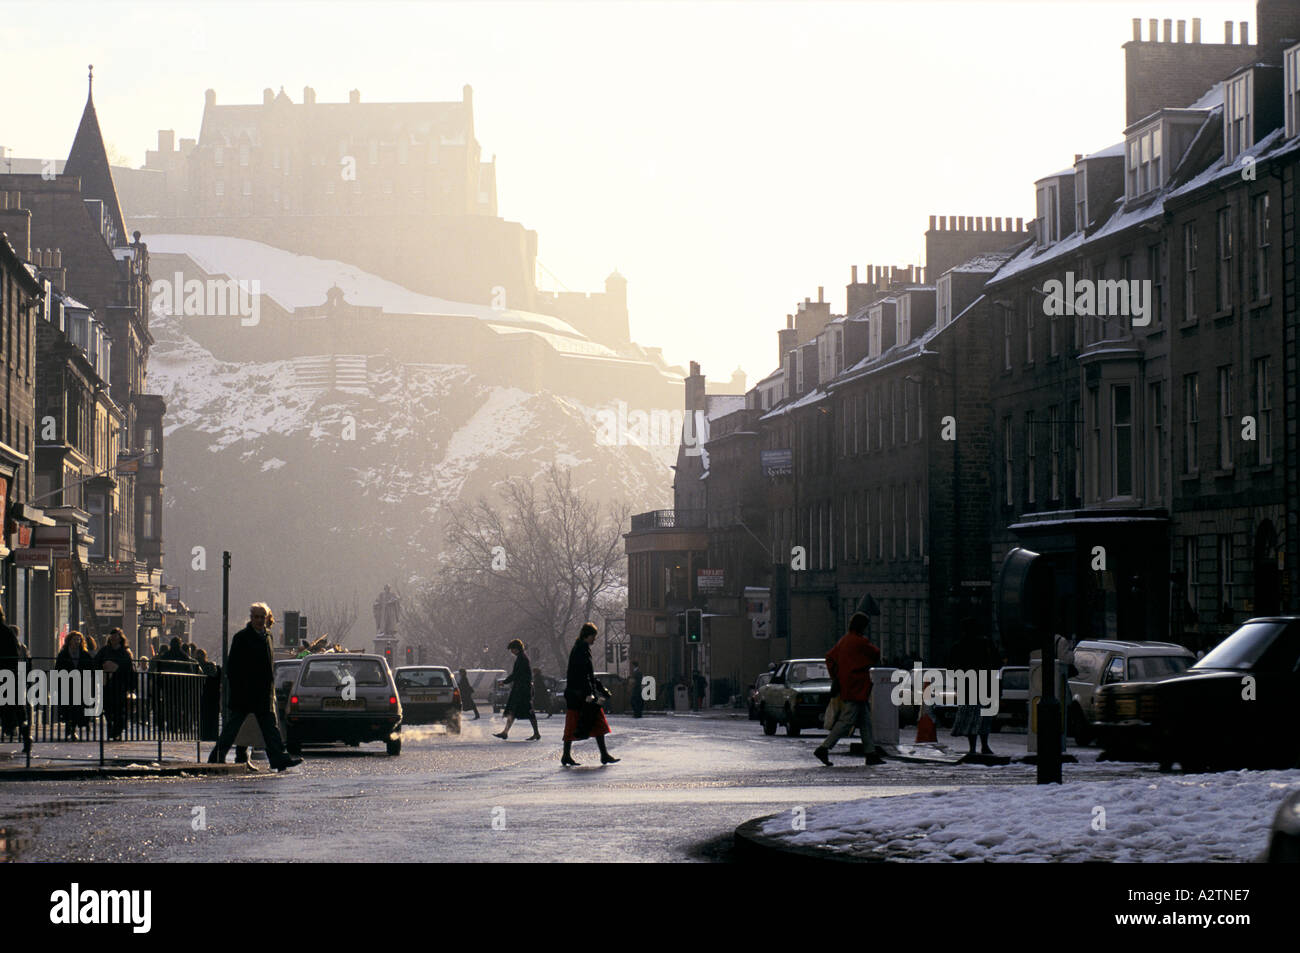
(850, 663)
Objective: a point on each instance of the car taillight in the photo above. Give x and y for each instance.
(293, 700)
(455, 694)
(392, 700)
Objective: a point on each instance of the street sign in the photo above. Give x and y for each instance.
(151, 617)
(777, 462)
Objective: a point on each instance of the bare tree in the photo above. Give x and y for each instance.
(331, 615)
(536, 566)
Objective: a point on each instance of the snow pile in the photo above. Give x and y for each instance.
(1169, 819)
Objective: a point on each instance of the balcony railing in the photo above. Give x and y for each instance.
(669, 519)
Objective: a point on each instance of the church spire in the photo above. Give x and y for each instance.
(88, 160)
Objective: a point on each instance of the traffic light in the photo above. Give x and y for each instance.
(694, 625)
(681, 625)
(302, 627)
(291, 626)
(410, 655)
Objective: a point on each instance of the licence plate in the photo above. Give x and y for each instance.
(430, 698)
(341, 703)
(1126, 707)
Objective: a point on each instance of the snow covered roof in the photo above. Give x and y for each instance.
(984, 263)
(719, 405)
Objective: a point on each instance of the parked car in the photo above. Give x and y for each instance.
(349, 698)
(483, 681)
(795, 697)
(429, 696)
(1013, 697)
(753, 694)
(1236, 707)
(1106, 662)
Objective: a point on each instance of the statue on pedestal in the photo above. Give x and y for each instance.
(388, 613)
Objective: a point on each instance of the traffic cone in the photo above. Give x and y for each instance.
(925, 727)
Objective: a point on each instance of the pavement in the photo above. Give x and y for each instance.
(77, 761)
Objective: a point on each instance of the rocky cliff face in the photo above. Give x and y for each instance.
(333, 474)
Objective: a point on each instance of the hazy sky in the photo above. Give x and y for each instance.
(726, 157)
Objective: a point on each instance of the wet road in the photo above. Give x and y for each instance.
(683, 786)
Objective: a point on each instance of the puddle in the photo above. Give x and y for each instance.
(14, 840)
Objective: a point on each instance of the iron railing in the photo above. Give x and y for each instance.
(92, 706)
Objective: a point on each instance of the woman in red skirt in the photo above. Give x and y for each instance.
(584, 718)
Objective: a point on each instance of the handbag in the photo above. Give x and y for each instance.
(833, 709)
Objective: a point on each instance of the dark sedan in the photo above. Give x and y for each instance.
(429, 696)
(1236, 707)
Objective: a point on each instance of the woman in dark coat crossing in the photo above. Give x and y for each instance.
(73, 657)
(466, 694)
(520, 702)
(15, 717)
(584, 718)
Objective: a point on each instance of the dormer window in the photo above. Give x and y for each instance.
(904, 320)
(875, 319)
(1081, 198)
(1145, 168)
(943, 301)
(1049, 214)
(1238, 120)
(1292, 69)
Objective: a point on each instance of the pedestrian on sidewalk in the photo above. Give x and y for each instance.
(850, 662)
(466, 694)
(119, 678)
(701, 690)
(15, 716)
(520, 702)
(583, 716)
(973, 652)
(634, 685)
(250, 674)
(541, 694)
(73, 657)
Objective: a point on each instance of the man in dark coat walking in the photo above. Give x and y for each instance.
(250, 673)
(850, 662)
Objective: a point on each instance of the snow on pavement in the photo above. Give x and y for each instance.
(1178, 818)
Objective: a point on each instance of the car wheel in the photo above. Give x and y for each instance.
(792, 728)
(769, 725)
(394, 747)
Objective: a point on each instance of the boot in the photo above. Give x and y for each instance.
(566, 759)
(605, 756)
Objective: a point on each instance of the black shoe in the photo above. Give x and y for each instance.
(569, 762)
(500, 734)
(988, 751)
(875, 759)
(535, 737)
(285, 765)
(609, 759)
(823, 756)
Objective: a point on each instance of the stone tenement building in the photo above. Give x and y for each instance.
(397, 189)
(95, 341)
(1120, 379)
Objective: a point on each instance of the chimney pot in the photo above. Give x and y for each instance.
(1245, 33)
(1153, 30)
(988, 223)
(1020, 224)
(209, 97)
(932, 222)
(1182, 31)
(821, 294)
(1227, 32)
(1169, 31)
(1196, 29)
(854, 279)
(267, 96)
(58, 256)
(1137, 29)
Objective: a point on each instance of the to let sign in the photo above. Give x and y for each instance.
(710, 580)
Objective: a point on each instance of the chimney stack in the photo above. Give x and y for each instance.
(1196, 29)
(1227, 32)
(1137, 29)
(1182, 31)
(1245, 33)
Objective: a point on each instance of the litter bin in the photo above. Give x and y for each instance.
(884, 713)
(681, 698)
